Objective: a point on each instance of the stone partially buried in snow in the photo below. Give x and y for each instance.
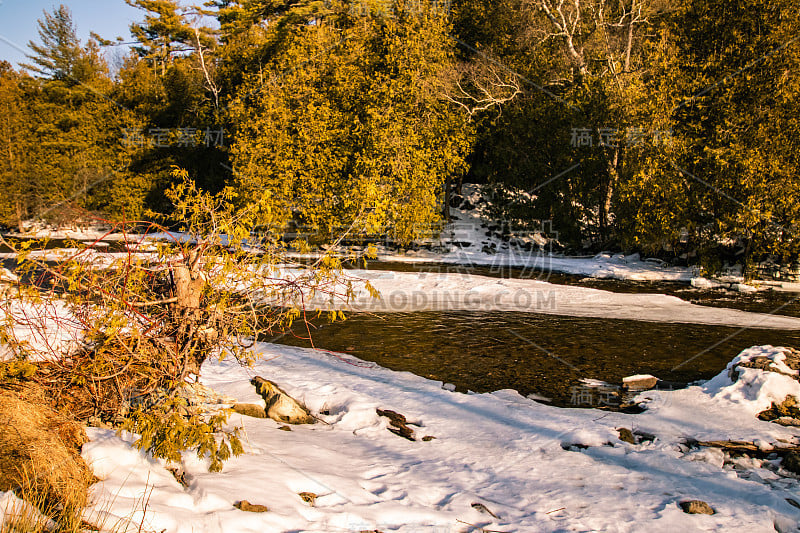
(250, 409)
(245, 505)
(279, 405)
(696, 507)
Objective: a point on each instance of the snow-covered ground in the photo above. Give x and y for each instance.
(513, 456)
(409, 291)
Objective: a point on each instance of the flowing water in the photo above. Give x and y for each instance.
(545, 354)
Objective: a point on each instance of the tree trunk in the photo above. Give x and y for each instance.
(608, 195)
(189, 283)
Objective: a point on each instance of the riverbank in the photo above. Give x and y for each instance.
(534, 467)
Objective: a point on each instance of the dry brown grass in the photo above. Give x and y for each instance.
(40, 457)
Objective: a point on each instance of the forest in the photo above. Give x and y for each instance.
(666, 127)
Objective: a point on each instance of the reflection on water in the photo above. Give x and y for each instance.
(543, 354)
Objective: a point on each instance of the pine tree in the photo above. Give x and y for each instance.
(60, 55)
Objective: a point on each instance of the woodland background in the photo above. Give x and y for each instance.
(669, 127)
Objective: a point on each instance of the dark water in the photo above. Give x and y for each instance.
(543, 354)
(546, 354)
(54, 244)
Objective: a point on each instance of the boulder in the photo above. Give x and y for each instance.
(789, 367)
(280, 406)
(791, 462)
(626, 435)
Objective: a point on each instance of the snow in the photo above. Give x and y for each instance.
(755, 390)
(602, 266)
(409, 291)
(12, 508)
(518, 458)
(45, 330)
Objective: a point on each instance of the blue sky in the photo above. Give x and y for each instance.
(108, 18)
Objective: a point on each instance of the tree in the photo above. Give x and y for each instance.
(60, 55)
(140, 326)
(14, 122)
(351, 127)
(165, 33)
(720, 76)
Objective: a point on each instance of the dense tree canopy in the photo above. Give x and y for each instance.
(668, 127)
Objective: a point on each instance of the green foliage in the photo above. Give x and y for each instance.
(165, 430)
(17, 370)
(360, 115)
(60, 54)
(357, 134)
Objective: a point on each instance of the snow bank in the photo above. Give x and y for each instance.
(755, 390)
(602, 266)
(409, 291)
(515, 457)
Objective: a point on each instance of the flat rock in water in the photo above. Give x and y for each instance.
(640, 382)
(696, 507)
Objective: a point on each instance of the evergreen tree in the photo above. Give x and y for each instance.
(350, 127)
(60, 55)
(15, 201)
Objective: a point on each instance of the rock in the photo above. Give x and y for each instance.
(791, 462)
(245, 505)
(483, 509)
(696, 507)
(786, 410)
(428, 438)
(250, 409)
(639, 382)
(626, 435)
(399, 424)
(179, 475)
(791, 360)
(285, 428)
(279, 405)
(308, 497)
